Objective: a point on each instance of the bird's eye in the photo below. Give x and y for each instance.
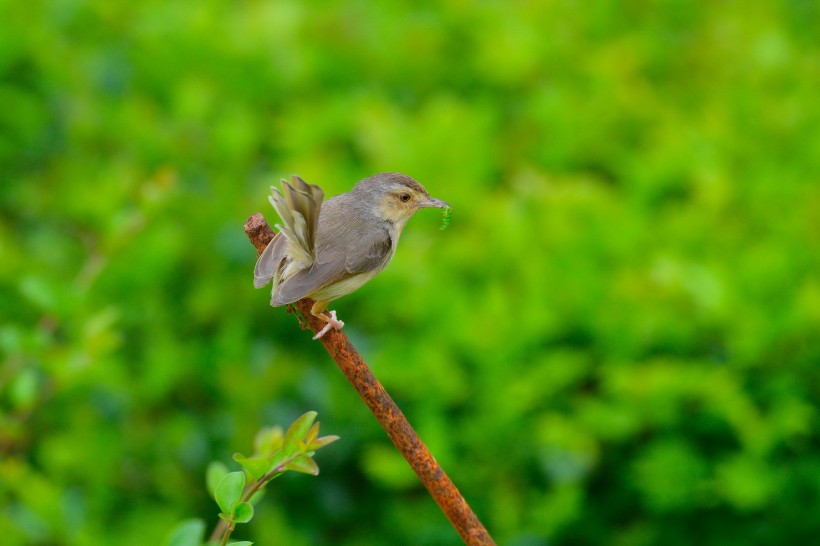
(405, 197)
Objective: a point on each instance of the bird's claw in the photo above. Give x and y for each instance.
(332, 322)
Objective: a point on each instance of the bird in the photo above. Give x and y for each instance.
(327, 249)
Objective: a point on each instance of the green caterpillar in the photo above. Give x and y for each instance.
(446, 216)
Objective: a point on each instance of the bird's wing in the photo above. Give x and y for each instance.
(268, 263)
(307, 281)
(337, 262)
(370, 252)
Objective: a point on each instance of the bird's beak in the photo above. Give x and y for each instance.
(433, 203)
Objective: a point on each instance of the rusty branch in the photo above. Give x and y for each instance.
(386, 411)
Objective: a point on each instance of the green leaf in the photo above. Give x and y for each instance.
(303, 463)
(255, 466)
(243, 512)
(312, 433)
(241, 543)
(321, 442)
(277, 459)
(229, 491)
(297, 431)
(187, 533)
(215, 472)
(267, 441)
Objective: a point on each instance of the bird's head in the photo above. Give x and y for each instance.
(396, 197)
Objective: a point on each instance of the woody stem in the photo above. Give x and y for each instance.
(390, 417)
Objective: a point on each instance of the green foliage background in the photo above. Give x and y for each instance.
(615, 341)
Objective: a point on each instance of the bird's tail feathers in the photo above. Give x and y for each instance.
(298, 205)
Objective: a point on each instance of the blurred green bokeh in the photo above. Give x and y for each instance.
(614, 342)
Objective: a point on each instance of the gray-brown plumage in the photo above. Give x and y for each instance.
(325, 250)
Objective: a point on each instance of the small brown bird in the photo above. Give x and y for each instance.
(327, 250)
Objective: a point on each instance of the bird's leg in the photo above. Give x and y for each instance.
(332, 321)
(318, 311)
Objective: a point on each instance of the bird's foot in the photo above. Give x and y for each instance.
(332, 322)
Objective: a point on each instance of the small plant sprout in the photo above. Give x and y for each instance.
(236, 492)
